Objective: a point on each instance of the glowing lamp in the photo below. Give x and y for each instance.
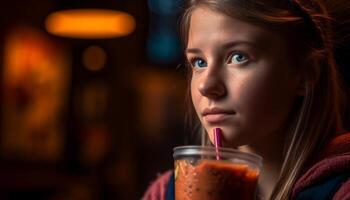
(90, 23)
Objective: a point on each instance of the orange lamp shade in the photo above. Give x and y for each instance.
(90, 23)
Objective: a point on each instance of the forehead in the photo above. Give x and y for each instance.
(208, 26)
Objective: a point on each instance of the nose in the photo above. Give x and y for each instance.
(212, 86)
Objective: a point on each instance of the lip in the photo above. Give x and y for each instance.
(216, 115)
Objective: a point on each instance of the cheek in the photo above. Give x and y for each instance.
(264, 101)
(195, 95)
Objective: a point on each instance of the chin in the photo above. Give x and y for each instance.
(231, 138)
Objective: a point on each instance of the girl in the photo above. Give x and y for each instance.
(264, 71)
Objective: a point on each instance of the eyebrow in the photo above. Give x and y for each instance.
(225, 46)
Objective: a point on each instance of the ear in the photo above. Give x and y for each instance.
(308, 77)
(304, 84)
(301, 87)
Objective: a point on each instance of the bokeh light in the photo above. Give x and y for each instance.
(90, 23)
(164, 7)
(94, 58)
(163, 47)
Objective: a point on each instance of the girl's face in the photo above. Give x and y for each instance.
(241, 81)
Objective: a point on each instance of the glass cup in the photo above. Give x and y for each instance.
(203, 173)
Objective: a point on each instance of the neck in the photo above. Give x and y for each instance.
(272, 153)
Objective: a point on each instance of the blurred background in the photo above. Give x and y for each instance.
(88, 115)
(91, 103)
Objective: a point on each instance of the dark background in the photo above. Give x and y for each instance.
(142, 120)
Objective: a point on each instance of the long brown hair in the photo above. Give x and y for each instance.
(307, 24)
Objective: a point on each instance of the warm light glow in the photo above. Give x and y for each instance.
(94, 58)
(90, 23)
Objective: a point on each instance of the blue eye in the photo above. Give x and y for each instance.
(197, 62)
(238, 58)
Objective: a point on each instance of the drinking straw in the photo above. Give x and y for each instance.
(217, 141)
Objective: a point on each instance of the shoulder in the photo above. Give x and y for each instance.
(344, 192)
(336, 187)
(328, 178)
(159, 187)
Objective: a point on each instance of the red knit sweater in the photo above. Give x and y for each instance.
(335, 159)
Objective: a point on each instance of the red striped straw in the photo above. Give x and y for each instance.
(217, 141)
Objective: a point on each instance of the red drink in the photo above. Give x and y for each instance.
(210, 179)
